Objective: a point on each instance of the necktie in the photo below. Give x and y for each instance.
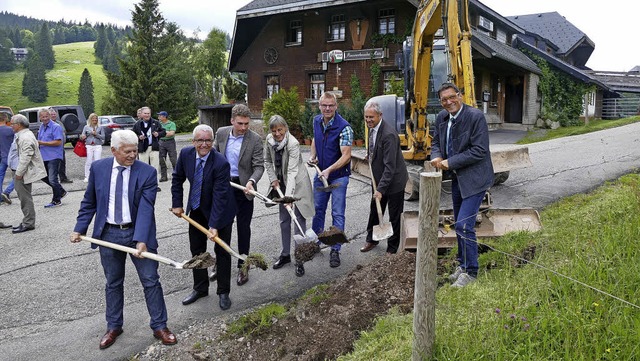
(449, 142)
(197, 185)
(372, 137)
(119, 181)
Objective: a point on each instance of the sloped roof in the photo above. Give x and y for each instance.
(265, 7)
(502, 51)
(553, 27)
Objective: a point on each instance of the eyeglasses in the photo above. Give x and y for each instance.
(450, 97)
(203, 141)
(327, 105)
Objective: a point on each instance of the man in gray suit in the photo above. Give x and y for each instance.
(243, 149)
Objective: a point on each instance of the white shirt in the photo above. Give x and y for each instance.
(126, 213)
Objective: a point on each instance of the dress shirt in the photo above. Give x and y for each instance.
(232, 152)
(126, 213)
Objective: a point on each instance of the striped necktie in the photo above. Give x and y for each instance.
(119, 185)
(196, 190)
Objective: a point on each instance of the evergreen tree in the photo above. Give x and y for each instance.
(43, 46)
(208, 64)
(16, 38)
(34, 83)
(101, 42)
(7, 60)
(58, 35)
(85, 93)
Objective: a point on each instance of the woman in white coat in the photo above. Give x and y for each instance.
(93, 135)
(286, 170)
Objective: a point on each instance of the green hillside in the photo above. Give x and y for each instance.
(63, 81)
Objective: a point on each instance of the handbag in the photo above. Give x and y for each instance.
(80, 149)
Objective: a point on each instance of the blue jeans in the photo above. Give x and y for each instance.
(51, 179)
(338, 205)
(464, 212)
(3, 172)
(114, 271)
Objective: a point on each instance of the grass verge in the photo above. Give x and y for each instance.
(539, 135)
(522, 312)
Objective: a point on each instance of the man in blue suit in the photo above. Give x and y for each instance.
(211, 204)
(123, 206)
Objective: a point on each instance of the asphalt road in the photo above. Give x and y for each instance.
(52, 291)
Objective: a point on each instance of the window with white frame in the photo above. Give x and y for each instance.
(387, 21)
(317, 85)
(337, 28)
(294, 33)
(273, 85)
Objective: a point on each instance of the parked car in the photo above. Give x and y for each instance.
(70, 116)
(7, 110)
(110, 123)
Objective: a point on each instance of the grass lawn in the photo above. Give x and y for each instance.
(63, 81)
(539, 135)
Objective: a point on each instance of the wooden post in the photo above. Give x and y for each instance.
(424, 302)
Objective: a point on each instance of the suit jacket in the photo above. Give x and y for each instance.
(471, 161)
(155, 127)
(30, 164)
(251, 160)
(143, 185)
(296, 177)
(387, 162)
(216, 200)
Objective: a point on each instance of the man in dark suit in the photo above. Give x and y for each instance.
(242, 147)
(390, 173)
(149, 132)
(210, 204)
(123, 206)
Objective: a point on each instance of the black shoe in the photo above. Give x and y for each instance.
(299, 269)
(67, 180)
(193, 297)
(213, 276)
(243, 277)
(159, 190)
(334, 259)
(163, 179)
(64, 194)
(21, 228)
(282, 261)
(225, 301)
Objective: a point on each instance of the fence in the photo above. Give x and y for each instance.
(615, 108)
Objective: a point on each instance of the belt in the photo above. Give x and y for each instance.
(167, 140)
(121, 226)
(235, 180)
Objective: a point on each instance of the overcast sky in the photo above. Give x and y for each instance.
(610, 25)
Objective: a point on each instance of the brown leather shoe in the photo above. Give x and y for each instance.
(243, 277)
(167, 337)
(109, 338)
(368, 246)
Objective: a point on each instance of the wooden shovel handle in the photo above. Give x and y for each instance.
(322, 178)
(290, 210)
(217, 239)
(260, 196)
(126, 249)
(373, 181)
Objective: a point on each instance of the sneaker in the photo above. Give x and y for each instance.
(5, 198)
(300, 269)
(454, 276)
(463, 280)
(334, 259)
(53, 204)
(64, 194)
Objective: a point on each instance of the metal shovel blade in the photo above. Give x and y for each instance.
(382, 231)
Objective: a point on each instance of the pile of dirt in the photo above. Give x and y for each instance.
(314, 328)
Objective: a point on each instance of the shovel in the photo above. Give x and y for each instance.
(203, 260)
(327, 187)
(382, 230)
(309, 235)
(267, 202)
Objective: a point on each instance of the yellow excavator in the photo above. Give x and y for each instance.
(438, 51)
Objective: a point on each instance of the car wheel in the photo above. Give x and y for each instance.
(70, 121)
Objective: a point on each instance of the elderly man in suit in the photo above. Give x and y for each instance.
(242, 147)
(210, 203)
(390, 173)
(121, 194)
(30, 169)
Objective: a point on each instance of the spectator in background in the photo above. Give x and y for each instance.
(62, 170)
(93, 135)
(149, 132)
(13, 164)
(6, 138)
(30, 168)
(50, 137)
(167, 145)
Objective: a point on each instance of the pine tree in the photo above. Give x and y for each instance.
(34, 83)
(85, 93)
(43, 46)
(101, 42)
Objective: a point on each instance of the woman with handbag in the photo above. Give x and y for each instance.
(93, 136)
